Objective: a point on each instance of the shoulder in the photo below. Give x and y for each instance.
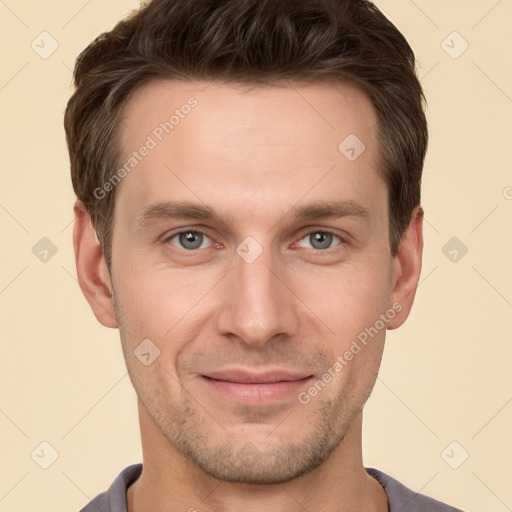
(114, 500)
(403, 499)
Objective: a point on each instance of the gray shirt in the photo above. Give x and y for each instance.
(401, 498)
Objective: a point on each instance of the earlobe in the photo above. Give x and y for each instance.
(407, 268)
(91, 268)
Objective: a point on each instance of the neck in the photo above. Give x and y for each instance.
(340, 484)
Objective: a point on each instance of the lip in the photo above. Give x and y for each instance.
(247, 377)
(256, 388)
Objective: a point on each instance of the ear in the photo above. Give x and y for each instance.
(407, 268)
(91, 268)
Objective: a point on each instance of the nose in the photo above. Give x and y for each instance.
(257, 303)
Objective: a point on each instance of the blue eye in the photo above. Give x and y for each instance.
(320, 240)
(193, 240)
(189, 240)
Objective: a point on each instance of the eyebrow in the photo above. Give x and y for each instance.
(167, 210)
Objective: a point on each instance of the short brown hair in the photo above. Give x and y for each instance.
(248, 42)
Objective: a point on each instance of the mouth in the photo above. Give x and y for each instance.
(256, 388)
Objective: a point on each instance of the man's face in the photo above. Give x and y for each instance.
(255, 293)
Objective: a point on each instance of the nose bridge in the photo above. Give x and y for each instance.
(256, 304)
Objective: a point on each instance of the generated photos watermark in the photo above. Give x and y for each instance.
(151, 142)
(304, 397)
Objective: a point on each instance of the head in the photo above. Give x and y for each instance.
(268, 216)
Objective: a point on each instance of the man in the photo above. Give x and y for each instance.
(248, 215)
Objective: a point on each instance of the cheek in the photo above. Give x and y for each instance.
(347, 299)
(159, 303)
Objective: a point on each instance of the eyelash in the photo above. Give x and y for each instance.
(309, 233)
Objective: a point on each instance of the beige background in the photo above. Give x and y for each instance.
(446, 373)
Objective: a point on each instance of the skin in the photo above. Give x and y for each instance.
(252, 157)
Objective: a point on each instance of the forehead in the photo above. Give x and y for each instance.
(205, 139)
(320, 108)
